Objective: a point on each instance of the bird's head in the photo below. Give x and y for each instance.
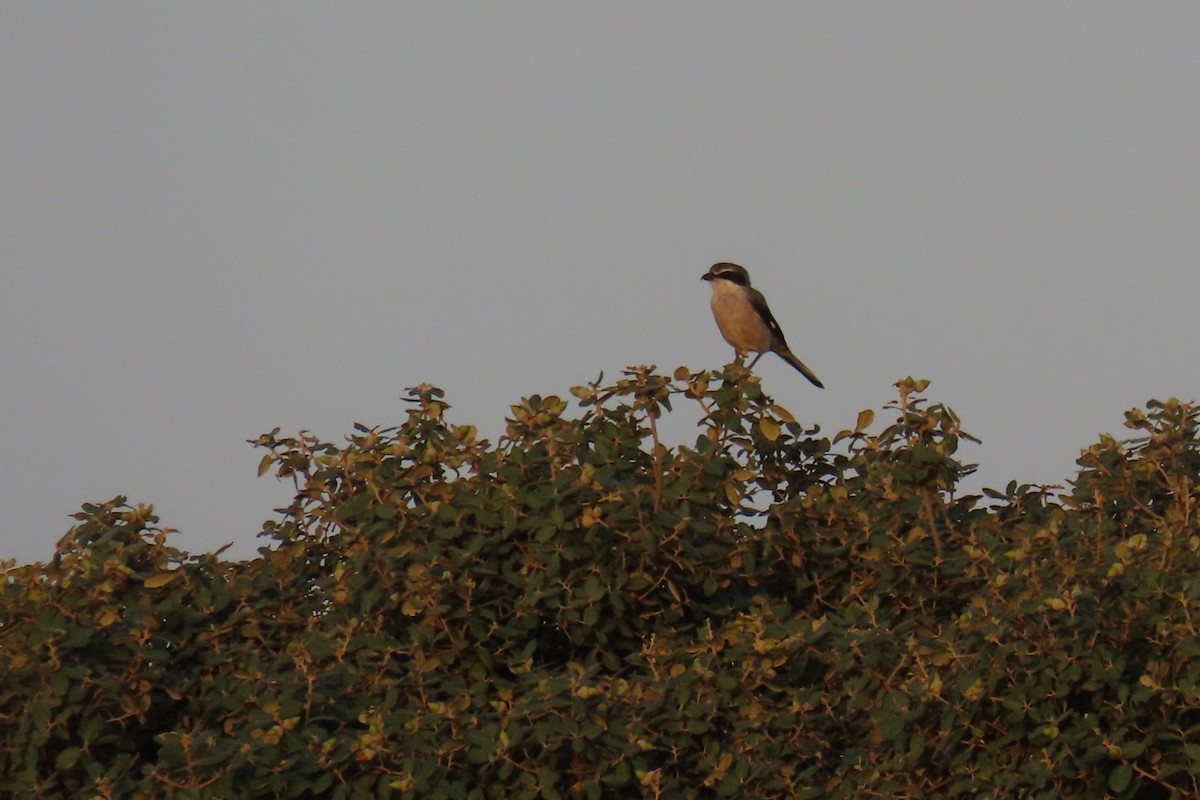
(725, 271)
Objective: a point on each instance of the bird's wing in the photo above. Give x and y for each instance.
(760, 305)
(779, 344)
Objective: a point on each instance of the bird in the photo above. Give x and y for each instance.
(745, 319)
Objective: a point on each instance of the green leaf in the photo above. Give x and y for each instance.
(591, 615)
(319, 647)
(1119, 778)
(90, 729)
(729, 786)
(892, 727)
(593, 589)
(66, 758)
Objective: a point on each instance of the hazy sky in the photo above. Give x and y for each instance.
(218, 218)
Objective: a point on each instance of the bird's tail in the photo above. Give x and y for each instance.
(787, 356)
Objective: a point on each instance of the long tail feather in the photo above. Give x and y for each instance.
(787, 356)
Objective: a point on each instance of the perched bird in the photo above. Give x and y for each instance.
(744, 318)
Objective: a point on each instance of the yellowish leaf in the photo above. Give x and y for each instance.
(411, 607)
(159, 579)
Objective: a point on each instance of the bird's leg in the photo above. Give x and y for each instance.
(755, 361)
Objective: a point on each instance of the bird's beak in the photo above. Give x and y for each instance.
(706, 276)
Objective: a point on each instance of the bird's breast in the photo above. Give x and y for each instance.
(740, 324)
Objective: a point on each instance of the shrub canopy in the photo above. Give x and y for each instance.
(580, 611)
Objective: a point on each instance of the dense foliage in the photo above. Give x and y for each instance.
(580, 611)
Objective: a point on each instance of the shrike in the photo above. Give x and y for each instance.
(744, 318)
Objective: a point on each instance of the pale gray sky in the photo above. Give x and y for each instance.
(218, 218)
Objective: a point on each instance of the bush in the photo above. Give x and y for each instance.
(581, 611)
